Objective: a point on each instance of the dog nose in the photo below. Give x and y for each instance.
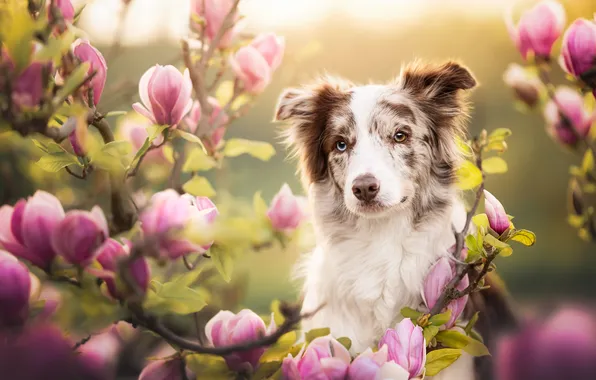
(366, 187)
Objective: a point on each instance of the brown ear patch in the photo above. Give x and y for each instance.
(309, 110)
(436, 80)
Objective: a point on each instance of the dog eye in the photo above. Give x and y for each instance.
(341, 146)
(400, 137)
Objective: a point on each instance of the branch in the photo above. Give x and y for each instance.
(133, 172)
(451, 293)
(291, 314)
(81, 342)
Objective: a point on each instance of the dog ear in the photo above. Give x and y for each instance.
(436, 81)
(307, 110)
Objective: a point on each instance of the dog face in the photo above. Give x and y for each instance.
(379, 145)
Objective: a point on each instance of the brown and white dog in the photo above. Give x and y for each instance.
(378, 163)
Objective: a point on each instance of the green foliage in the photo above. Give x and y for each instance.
(199, 187)
(440, 319)
(429, 333)
(258, 149)
(408, 312)
(525, 237)
(198, 161)
(55, 48)
(223, 261)
(471, 323)
(455, 339)
(468, 176)
(494, 165)
(188, 137)
(73, 81)
(208, 367)
(176, 296)
(438, 360)
(17, 29)
(55, 161)
(316, 333)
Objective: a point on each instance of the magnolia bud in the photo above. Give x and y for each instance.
(497, 217)
(406, 346)
(285, 212)
(323, 358)
(86, 53)
(525, 86)
(578, 52)
(15, 286)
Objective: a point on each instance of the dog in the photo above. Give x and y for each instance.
(378, 163)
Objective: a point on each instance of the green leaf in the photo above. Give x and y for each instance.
(174, 297)
(155, 130)
(468, 176)
(480, 221)
(197, 161)
(500, 134)
(258, 149)
(472, 243)
(117, 148)
(494, 165)
(74, 80)
(429, 332)
(266, 369)
(453, 339)
(588, 161)
(199, 187)
(493, 241)
(438, 360)
(17, 28)
(527, 238)
(189, 137)
(463, 147)
(315, 333)
(506, 252)
(54, 162)
(51, 147)
(55, 48)
(223, 263)
(259, 205)
(440, 319)
(345, 341)
(471, 323)
(284, 345)
(116, 113)
(208, 367)
(497, 146)
(408, 312)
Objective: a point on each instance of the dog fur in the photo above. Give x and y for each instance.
(372, 255)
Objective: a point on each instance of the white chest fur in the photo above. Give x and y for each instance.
(365, 273)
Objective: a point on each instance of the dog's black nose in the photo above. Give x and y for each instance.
(366, 187)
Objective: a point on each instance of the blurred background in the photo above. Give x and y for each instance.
(363, 40)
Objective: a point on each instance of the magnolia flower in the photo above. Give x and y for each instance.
(324, 358)
(497, 217)
(101, 352)
(15, 287)
(525, 86)
(134, 129)
(578, 52)
(79, 234)
(441, 273)
(26, 228)
(65, 7)
(213, 13)
(227, 328)
(374, 366)
(165, 95)
(86, 53)
(27, 89)
(538, 28)
(169, 214)
(254, 64)
(285, 212)
(195, 114)
(406, 346)
(109, 256)
(165, 370)
(561, 347)
(565, 115)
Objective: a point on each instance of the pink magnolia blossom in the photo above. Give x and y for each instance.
(324, 358)
(495, 212)
(135, 131)
(79, 235)
(578, 52)
(101, 352)
(169, 213)
(165, 95)
(109, 256)
(566, 113)
(406, 346)
(213, 13)
(15, 288)
(195, 114)
(27, 89)
(251, 68)
(165, 370)
(538, 28)
(441, 273)
(227, 328)
(285, 212)
(526, 87)
(86, 53)
(26, 228)
(374, 366)
(271, 47)
(65, 7)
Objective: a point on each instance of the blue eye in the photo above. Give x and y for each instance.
(341, 146)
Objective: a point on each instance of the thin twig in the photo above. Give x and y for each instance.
(81, 342)
(79, 176)
(134, 170)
